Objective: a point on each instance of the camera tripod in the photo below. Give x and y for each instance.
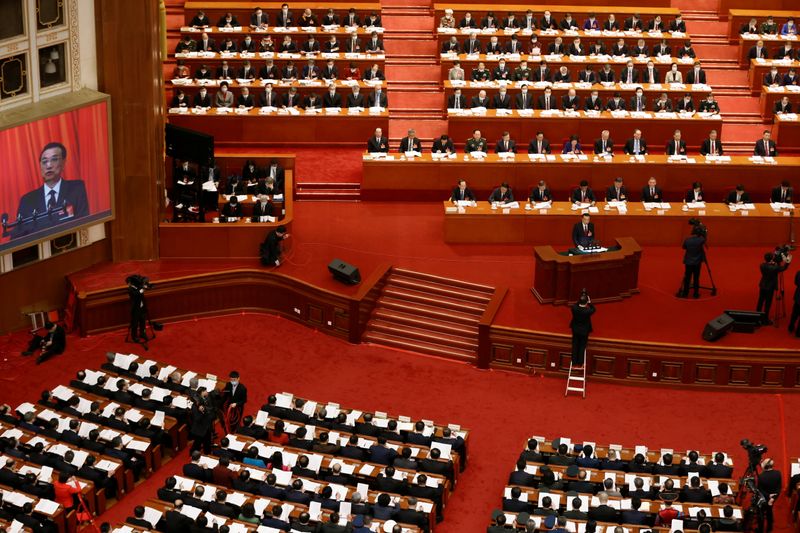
(140, 321)
(712, 289)
(779, 311)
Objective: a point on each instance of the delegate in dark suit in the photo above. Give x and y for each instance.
(765, 148)
(583, 233)
(375, 144)
(581, 326)
(781, 195)
(462, 194)
(693, 258)
(71, 194)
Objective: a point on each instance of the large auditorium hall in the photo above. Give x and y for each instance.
(399, 266)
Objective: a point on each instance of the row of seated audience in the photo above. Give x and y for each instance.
(575, 464)
(367, 426)
(775, 79)
(290, 99)
(473, 45)
(530, 21)
(230, 469)
(759, 51)
(571, 101)
(583, 194)
(51, 435)
(769, 27)
(259, 20)
(604, 146)
(312, 45)
(542, 73)
(253, 179)
(288, 73)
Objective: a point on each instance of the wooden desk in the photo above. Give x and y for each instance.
(257, 87)
(370, 497)
(787, 134)
(548, 37)
(575, 65)
(247, 206)
(739, 17)
(771, 95)
(152, 454)
(65, 522)
(215, 9)
(608, 276)
(424, 179)
(759, 70)
(238, 35)
(171, 425)
(482, 225)
(771, 42)
(124, 479)
(626, 453)
(285, 130)
(652, 91)
(621, 8)
(224, 240)
(588, 127)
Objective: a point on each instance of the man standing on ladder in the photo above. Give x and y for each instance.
(581, 325)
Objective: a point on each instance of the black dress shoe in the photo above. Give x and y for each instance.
(26, 353)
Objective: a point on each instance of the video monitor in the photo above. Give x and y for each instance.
(56, 175)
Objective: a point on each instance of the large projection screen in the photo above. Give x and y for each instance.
(55, 169)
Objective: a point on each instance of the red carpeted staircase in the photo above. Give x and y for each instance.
(412, 70)
(742, 122)
(429, 314)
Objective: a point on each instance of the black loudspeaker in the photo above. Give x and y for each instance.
(344, 272)
(717, 327)
(746, 321)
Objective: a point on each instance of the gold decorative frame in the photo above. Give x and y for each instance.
(23, 75)
(51, 23)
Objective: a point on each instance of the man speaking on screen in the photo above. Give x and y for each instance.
(57, 200)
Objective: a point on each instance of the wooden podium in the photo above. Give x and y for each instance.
(607, 276)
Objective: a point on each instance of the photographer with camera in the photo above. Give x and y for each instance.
(693, 257)
(137, 284)
(774, 263)
(581, 325)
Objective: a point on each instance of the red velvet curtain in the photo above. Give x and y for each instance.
(84, 133)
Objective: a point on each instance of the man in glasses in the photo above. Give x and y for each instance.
(57, 200)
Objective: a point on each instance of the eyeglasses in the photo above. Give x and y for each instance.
(52, 160)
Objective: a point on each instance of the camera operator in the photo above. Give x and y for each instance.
(136, 286)
(795, 306)
(774, 263)
(693, 259)
(581, 325)
(769, 484)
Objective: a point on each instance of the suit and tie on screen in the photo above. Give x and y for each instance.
(56, 201)
(56, 175)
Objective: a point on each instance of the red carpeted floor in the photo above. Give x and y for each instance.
(502, 409)
(410, 235)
